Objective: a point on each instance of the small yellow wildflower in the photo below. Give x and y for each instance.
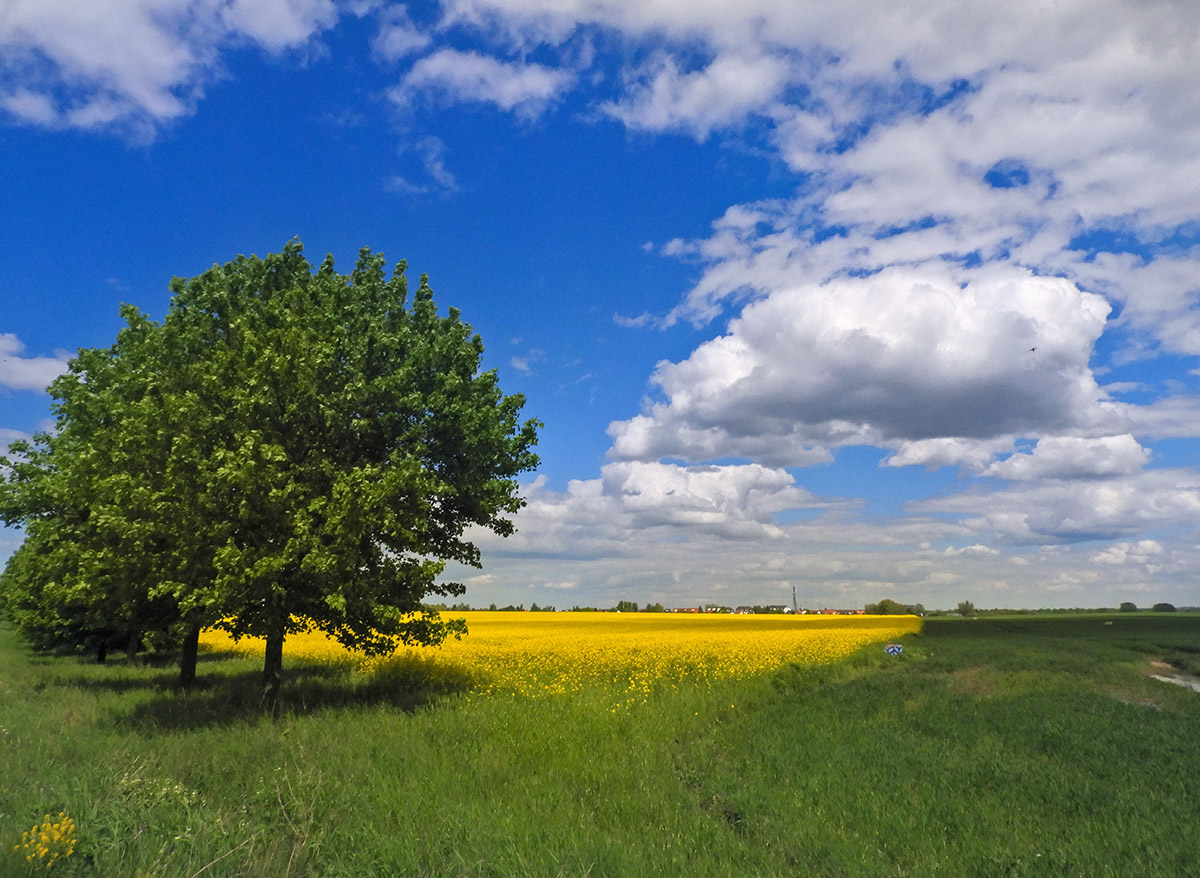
(49, 842)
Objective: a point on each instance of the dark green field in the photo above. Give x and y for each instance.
(1001, 746)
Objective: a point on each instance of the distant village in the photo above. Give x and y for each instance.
(771, 608)
(887, 606)
(631, 607)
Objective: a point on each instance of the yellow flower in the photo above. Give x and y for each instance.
(49, 842)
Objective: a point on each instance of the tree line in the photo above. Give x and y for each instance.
(288, 449)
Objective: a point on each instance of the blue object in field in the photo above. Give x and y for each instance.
(893, 649)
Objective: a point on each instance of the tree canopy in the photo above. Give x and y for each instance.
(287, 449)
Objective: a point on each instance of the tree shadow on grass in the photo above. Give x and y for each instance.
(122, 676)
(222, 698)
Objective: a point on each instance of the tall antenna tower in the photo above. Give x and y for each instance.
(795, 609)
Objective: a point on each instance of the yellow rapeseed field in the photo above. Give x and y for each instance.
(537, 654)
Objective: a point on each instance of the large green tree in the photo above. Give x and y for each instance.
(315, 447)
(350, 438)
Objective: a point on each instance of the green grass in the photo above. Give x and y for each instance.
(1000, 746)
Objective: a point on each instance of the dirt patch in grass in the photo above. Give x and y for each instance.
(1137, 699)
(990, 682)
(977, 681)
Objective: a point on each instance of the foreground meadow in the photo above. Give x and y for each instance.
(994, 747)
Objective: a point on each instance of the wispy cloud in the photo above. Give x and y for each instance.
(398, 37)
(430, 153)
(643, 319)
(525, 363)
(659, 96)
(455, 76)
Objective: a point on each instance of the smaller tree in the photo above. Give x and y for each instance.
(1128, 607)
(889, 607)
(1164, 608)
(966, 608)
(102, 533)
(627, 606)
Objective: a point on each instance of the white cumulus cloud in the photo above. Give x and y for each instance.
(902, 355)
(93, 65)
(27, 373)
(1063, 457)
(633, 502)
(1140, 552)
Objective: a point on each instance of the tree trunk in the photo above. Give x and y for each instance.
(133, 645)
(187, 657)
(101, 653)
(273, 669)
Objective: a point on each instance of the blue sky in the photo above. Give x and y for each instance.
(867, 303)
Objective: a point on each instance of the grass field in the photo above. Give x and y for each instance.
(1019, 746)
